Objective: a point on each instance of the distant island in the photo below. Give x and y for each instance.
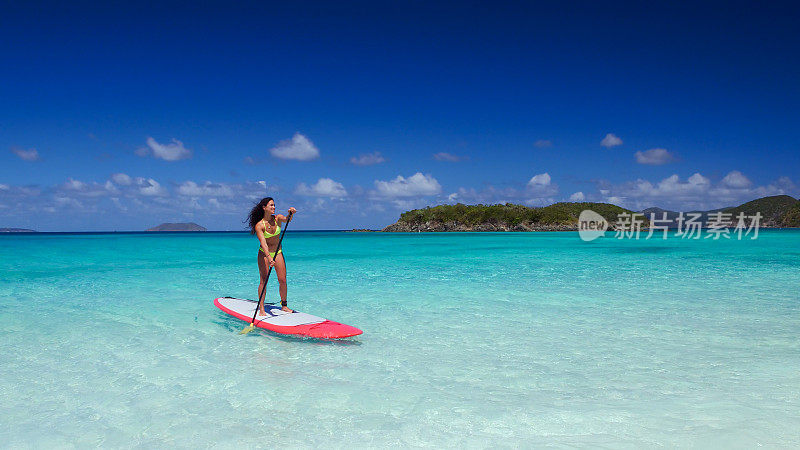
(191, 226)
(16, 230)
(508, 217)
(779, 211)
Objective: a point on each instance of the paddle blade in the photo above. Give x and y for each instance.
(248, 329)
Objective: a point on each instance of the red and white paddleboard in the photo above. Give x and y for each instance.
(276, 320)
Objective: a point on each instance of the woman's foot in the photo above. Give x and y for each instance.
(286, 309)
(261, 313)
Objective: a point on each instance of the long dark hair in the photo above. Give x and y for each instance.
(257, 213)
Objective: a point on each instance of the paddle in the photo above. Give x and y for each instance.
(263, 292)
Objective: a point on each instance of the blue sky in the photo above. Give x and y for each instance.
(120, 117)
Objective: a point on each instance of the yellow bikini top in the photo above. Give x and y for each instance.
(277, 229)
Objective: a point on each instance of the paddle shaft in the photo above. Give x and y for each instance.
(263, 293)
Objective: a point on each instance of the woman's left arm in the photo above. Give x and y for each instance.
(285, 219)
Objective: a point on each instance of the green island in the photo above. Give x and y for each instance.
(777, 211)
(780, 211)
(508, 217)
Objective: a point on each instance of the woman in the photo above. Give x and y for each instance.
(267, 227)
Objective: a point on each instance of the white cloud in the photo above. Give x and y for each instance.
(26, 155)
(410, 203)
(654, 157)
(449, 157)
(695, 193)
(74, 185)
(144, 200)
(736, 180)
(540, 190)
(543, 143)
(316, 205)
(415, 185)
(614, 200)
(488, 195)
(173, 151)
(119, 204)
(368, 159)
(784, 185)
(541, 180)
(324, 187)
(67, 202)
(577, 197)
(121, 179)
(299, 148)
(611, 141)
(150, 187)
(207, 189)
(672, 186)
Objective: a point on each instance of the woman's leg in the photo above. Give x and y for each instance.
(280, 271)
(263, 266)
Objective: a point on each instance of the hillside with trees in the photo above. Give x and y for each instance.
(776, 212)
(508, 217)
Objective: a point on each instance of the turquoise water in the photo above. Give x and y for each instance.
(476, 340)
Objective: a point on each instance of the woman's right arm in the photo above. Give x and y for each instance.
(263, 241)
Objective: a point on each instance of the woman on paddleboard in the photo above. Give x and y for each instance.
(266, 225)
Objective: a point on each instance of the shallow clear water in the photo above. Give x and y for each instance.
(477, 340)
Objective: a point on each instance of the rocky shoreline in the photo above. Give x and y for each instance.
(432, 226)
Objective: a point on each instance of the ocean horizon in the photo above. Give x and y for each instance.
(608, 234)
(162, 232)
(470, 339)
